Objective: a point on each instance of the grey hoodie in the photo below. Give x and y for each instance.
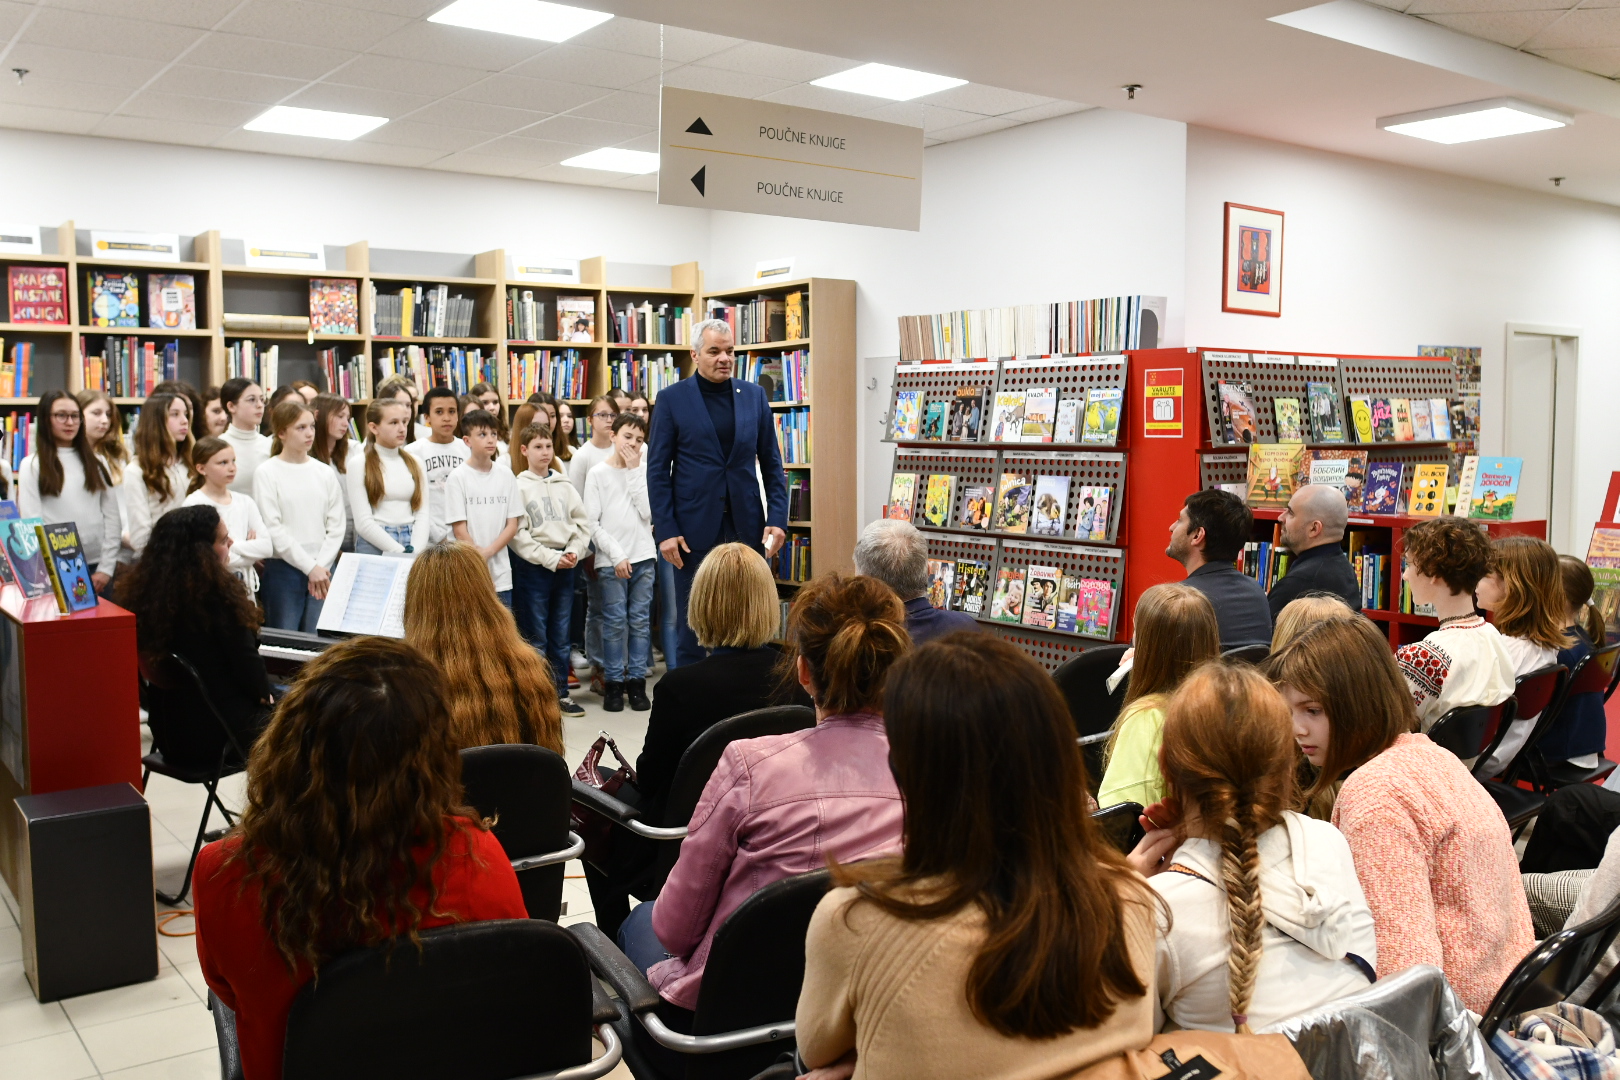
(554, 520)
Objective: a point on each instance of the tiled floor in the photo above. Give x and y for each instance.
(161, 1030)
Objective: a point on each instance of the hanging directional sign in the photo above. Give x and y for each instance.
(729, 153)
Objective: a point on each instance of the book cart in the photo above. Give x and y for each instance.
(983, 461)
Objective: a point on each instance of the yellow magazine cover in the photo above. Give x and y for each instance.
(1273, 473)
(1428, 491)
(937, 501)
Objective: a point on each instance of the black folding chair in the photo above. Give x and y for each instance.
(1594, 673)
(1084, 683)
(184, 722)
(1251, 654)
(527, 792)
(691, 775)
(1555, 969)
(751, 982)
(1534, 694)
(1122, 824)
(1472, 731)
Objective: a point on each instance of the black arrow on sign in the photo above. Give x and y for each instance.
(698, 180)
(699, 127)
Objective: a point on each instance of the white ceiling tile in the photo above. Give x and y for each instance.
(382, 154)
(531, 153)
(984, 100)
(266, 142)
(427, 136)
(1047, 111)
(226, 85)
(358, 99)
(1510, 28)
(536, 95)
(33, 118)
(459, 46)
(50, 92)
(1459, 7)
(623, 108)
(931, 118)
(313, 24)
(193, 110)
(477, 116)
(589, 67)
(233, 52)
(148, 129)
(819, 97)
(410, 9)
(485, 164)
(976, 127)
(11, 17)
(642, 38)
(202, 14)
(1583, 28)
(126, 71)
(776, 62)
(647, 142)
(648, 182)
(715, 81)
(106, 34)
(583, 130)
(407, 76)
(1605, 62)
(930, 141)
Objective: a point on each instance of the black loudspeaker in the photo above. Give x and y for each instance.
(88, 921)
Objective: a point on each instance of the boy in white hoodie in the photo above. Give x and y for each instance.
(551, 539)
(621, 527)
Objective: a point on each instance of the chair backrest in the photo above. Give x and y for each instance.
(1596, 672)
(1539, 694)
(187, 727)
(754, 972)
(1554, 969)
(1469, 730)
(1122, 824)
(1253, 654)
(1084, 683)
(527, 791)
(515, 994)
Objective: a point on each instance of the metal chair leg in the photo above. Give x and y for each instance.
(212, 787)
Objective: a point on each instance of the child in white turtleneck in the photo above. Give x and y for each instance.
(243, 401)
(387, 491)
(55, 485)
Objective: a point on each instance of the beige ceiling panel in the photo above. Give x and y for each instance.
(446, 140)
(105, 34)
(11, 17)
(459, 46)
(358, 99)
(585, 131)
(202, 14)
(382, 154)
(1605, 62)
(484, 164)
(33, 118)
(623, 108)
(589, 67)
(679, 46)
(1583, 28)
(646, 182)
(226, 85)
(51, 92)
(406, 76)
(976, 127)
(126, 71)
(1426, 8)
(1046, 112)
(819, 97)
(233, 52)
(306, 23)
(265, 142)
(647, 142)
(1510, 28)
(148, 129)
(931, 118)
(715, 81)
(192, 110)
(984, 100)
(536, 95)
(410, 9)
(476, 116)
(777, 62)
(531, 153)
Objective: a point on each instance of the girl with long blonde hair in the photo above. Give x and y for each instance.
(1524, 592)
(162, 450)
(497, 688)
(388, 494)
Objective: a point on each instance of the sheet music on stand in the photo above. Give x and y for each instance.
(367, 595)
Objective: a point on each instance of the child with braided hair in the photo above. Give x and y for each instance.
(1266, 915)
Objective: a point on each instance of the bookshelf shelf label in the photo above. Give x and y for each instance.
(284, 256)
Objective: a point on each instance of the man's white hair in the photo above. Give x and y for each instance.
(719, 326)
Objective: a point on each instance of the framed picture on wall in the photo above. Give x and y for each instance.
(1252, 261)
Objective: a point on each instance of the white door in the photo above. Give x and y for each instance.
(1538, 403)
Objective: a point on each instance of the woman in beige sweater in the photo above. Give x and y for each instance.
(1010, 940)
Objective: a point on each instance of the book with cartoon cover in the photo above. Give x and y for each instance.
(1102, 415)
(972, 587)
(334, 306)
(1051, 505)
(71, 576)
(937, 499)
(907, 418)
(933, 425)
(26, 557)
(941, 582)
(171, 301)
(902, 493)
(1343, 469)
(1361, 418)
(1040, 597)
(1383, 487)
(1274, 470)
(1428, 498)
(1007, 423)
(115, 298)
(977, 502)
(1008, 603)
(1286, 412)
(1496, 488)
(1238, 415)
(1013, 503)
(1096, 607)
(1383, 420)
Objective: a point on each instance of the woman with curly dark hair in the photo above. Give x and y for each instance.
(354, 835)
(186, 601)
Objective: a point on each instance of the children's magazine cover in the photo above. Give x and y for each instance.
(1096, 607)
(1051, 505)
(1040, 597)
(972, 586)
(977, 502)
(1383, 487)
(933, 425)
(1068, 420)
(1008, 603)
(1102, 415)
(72, 578)
(1428, 498)
(902, 493)
(1327, 426)
(1496, 488)
(941, 582)
(25, 556)
(1273, 473)
(907, 418)
(1091, 519)
(1343, 469)
(1238, 413)
(1013, 503)
(937, 499)
(966, 415)
(171, 301)
(1040, 413)
(1103, 512)
(1007, 424)
(1286, 412)
(1361, 418)
(1068, 604)
(576, 318)
(1383, 420)
(115, 298)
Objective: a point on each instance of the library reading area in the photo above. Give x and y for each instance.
(821, 542)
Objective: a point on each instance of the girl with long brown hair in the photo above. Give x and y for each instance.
(1175, 631)
(497, 688)
(1267, 917)
(333, 447)
(162, 450)
(1009, 938)
(104, 428)
(302, 505)
(388, 493)
(63, 481)
(1524, 592)
(1580, 734)
(213, 467)
(1432, 851)
(355, 834)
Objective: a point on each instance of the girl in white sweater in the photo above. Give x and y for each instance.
(104, 430)
(387, 492)
(302, 505)
(63, 481)
(158, 483)
(620, 520)
(213, 465)
(243, 400)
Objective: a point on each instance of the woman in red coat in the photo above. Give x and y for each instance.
(305, 876)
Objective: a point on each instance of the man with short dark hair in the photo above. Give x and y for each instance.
(1206, 538)
(1312, 525)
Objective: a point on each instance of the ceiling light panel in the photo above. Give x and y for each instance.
(315, 123)
(614, 159)
(1491, 119)
(881, 80)
(535, 19)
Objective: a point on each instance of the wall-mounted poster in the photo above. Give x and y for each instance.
(1251, 281)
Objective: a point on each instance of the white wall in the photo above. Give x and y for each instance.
(1380, 258)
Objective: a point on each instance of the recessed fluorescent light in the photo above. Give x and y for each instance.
(316, 123)
(881, 80)
(613, 159)
(521, 18)
(1476, 120)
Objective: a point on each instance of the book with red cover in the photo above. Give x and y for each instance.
(38, 294)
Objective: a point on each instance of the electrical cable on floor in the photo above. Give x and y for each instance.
(169, 916)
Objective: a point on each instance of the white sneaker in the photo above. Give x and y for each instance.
(578, 660)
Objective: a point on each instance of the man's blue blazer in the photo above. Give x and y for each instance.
(687, 480)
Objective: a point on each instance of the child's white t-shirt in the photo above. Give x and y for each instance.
(438, 460)
(486, 501)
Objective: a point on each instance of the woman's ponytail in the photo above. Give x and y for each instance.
(850, 630)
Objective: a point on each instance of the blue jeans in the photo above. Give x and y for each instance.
(284, 591)
(593, 612)
(637, 940)
(626, 614)
(668, 614)
(542, 602)
(400, 533)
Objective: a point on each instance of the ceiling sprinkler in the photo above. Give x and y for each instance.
(19, 72)
(1557, 181)
(1130, 90)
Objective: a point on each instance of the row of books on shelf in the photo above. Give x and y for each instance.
(1318, 418)
(1487, 488)
(1268, 563)
(766, 318)
(647, 324)
(792, 563)
(799, 497)
(543, 317)
(1043, 597)
(437, 365)
(1039, 414)
(17, 438)
(421, 311)
(246, 360)
(16, 369)
(37, 294)
(636, 373)
(793, 435)
(784, 376)
(41, 559)
(1022, 504)
(349, 378)
(561, 373)
(1106, 325)
(130, 367)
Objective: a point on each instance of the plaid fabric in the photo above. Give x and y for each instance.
(1552, 897)
(1565, 1042)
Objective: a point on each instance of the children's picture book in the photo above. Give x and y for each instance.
(1327, 425)
(933, 425)
(171, 301)
(1102, 415)
(907, 418)
(937, 500)
(576, 318)
(941, 582)
(902, 493)
(334, 306)
(26, 557)
(38, 294)
(1603, 558)
(1285, 412)
(1361, 418)
(1096, 607)
(8, 512)
(1383, 420)
(966, 415)
(1465, 485)
(1007, 423)
(1040, 597)
(1422, 425)
(1343, 469)
(1007, 605)
(1013, 503)
(1040, 413)
(1428, 498)
(1068, 420)
(972, 587)
(1383, 487)
(115, 298)
(1051, 505)
(1238, 415)
(1401, 408)
(1068, 604)
(1440, 419)
(1496, 488)
(977, 502)
(74, 591)
(1274, 470)
(1091, 520)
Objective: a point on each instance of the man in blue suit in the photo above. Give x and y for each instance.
(708, 431)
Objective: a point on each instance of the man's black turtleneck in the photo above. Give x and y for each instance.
(717, 398)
